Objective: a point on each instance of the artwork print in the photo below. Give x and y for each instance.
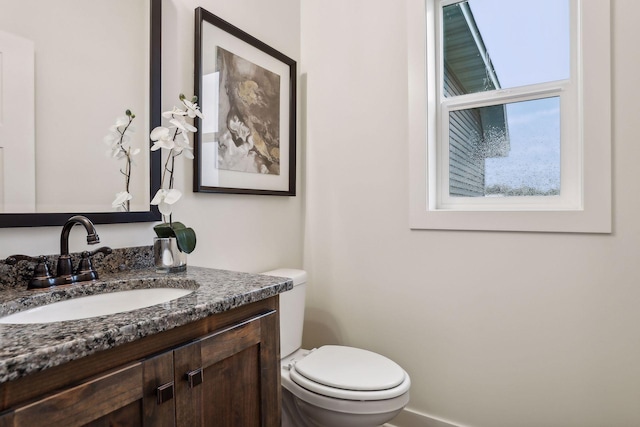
(249, 116)
(246, 141)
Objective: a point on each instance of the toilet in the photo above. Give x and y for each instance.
(332, 386)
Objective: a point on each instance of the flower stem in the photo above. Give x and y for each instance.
(127, 171)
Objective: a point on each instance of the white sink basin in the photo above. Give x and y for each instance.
(95, 305)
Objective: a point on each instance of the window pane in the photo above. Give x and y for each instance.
(493, 44)
(505, 150)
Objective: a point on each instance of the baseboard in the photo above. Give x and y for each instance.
(411, 418)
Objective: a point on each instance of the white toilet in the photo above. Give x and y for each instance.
(332, 386)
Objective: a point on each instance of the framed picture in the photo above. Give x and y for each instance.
(246, 140)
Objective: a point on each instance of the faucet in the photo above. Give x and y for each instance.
(65, 274)
(65, 268)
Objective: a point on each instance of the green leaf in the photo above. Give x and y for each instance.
(185, 236)
(164, 230)
(186, 239)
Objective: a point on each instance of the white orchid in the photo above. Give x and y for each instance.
(118, 139)
(192, 109)
(175, 139)
(121, 200)
(165, 199)
(182, 124)
(175, 112)
(162, 138)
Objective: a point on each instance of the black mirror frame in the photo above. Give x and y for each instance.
(155, 106)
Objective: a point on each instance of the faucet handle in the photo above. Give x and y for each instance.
(14, 259)
(41, 270)
(85, 267)
(85, 270)
(103, 250)
(41, 273)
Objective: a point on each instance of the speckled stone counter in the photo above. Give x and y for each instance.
(29, 348)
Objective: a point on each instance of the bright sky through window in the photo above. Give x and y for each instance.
(527, 41)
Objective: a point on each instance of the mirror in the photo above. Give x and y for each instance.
(89, 62)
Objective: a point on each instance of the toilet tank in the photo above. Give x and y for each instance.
(291, 310)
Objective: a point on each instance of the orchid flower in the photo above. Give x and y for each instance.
(164, 199)
(121, 200)
(118, 139)
(161, 137)
(175, 139)
(174, 112)
(192, 108)
(181, 124)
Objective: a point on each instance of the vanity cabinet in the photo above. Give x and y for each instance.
(227, 377)
(113, 398)
(221, 371)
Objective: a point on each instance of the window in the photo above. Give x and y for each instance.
(503, 135)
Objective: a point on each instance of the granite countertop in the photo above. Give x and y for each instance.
(29, 348)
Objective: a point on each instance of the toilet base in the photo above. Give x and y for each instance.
(291, 416)
(299, 413)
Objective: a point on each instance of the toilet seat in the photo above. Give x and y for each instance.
(350, 373)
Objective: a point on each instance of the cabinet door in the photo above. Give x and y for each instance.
(232, 377)
(140, 394)
(111, 399)
(158, 403)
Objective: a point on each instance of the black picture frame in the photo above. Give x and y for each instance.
(271, 160)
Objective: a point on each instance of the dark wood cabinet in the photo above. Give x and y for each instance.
(221, 371)
(113, 396)
(228, 377)
(158, 408)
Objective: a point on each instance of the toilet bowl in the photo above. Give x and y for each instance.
(333, 386)
(341, 386)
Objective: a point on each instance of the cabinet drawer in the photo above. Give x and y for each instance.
(84, 403)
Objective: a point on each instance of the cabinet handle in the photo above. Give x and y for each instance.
(165, 392)
(194, 377)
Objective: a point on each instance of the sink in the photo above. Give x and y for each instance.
(96, 305)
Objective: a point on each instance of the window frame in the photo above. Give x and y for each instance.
(585, 201)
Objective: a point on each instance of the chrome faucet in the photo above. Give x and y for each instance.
(65, 274)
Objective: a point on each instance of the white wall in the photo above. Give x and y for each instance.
(496, 329)
(248, 233)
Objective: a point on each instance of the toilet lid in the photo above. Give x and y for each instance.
(351, 369)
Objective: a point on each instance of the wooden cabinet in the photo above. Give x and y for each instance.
(228, 376)
(114, 396)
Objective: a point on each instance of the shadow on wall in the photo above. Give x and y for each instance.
(320, 328)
